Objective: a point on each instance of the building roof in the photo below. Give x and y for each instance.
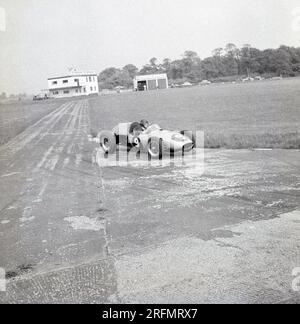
(151, 76)
(73, 76)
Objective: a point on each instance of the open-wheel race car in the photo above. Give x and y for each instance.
(151, 139)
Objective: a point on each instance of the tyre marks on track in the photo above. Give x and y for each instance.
(58, 181)
(64, 152)
(56, 152)
(58, 141)
(38, 154)
(25, 138)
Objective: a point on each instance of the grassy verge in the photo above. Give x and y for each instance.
(236, 116)
(266, 141)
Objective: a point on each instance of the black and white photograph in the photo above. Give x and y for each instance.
(149, 154)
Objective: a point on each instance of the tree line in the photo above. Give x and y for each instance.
(224, 63)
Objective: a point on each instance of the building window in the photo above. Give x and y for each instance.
(66, 91)
(90, 79)
(54, 82)
(84, 89)
(66, 81)
(87, 79)
(55, 92)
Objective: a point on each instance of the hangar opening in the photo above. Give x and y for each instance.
(141, 86)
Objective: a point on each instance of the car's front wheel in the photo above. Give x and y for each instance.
(108, 142)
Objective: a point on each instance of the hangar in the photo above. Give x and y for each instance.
(150, 82)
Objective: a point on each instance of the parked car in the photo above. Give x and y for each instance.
(205, 82)
(40, 97)
(249, 79)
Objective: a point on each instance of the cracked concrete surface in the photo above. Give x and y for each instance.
(253, 266)
(71, 231)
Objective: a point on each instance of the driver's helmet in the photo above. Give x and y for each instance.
(145, 124)
(135, 129)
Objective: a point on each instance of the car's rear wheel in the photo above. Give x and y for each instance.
(155, 148)
(108, 142)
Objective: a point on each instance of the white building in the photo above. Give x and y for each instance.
(75, 84)
(150, 82)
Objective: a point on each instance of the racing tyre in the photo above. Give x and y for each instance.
(155, 148)
(108, 142)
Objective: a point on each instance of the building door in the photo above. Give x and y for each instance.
(152, 85)
(162, 84)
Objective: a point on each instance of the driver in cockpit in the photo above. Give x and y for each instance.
(144, 124)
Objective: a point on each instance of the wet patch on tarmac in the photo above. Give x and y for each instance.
(150, 206)
(102, 210)
(20, 271)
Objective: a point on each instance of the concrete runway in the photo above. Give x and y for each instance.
(72, 230)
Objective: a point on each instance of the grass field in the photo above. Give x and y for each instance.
(254, 115)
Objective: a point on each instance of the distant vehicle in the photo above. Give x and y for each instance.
(249, 79)
(154, 140)
(187, 84)
(258, 78)
(276, 78)
(205, 82)
(119, 89)
(40, 97)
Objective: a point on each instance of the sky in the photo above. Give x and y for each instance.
(43, 38)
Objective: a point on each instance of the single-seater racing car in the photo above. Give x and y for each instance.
(152, 139)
